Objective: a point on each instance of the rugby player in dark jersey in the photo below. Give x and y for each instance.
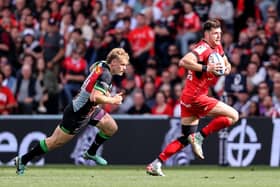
(84, 109)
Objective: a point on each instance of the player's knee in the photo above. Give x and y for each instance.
(112, 129)
(234, 117)
(53, 143)
(109, 126)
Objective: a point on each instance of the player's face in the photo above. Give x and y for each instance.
(118, 67)
(214, 36)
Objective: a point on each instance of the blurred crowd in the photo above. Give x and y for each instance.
(47, 47)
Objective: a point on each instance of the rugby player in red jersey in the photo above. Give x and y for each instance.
(194, 100)
(84, 109)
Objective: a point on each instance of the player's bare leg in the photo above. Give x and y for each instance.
(224, 115)
(189, 126)
(57, 139)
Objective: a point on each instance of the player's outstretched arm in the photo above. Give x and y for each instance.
(189, 61)
(100, 98)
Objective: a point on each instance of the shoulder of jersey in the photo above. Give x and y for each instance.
(201, 48)
(100, 66)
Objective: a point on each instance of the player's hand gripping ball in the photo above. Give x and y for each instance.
(217, 59)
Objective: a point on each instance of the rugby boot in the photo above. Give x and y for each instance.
(196, 139)
(154, 168)
(98, 159)
(20, 167)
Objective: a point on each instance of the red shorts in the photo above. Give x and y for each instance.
(199, 106)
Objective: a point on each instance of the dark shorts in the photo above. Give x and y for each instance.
(72, 122)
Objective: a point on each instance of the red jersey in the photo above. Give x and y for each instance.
(140, 37)
(167, 111)
(6, 97)
(192, 21)
(75, 66)
(197, 83)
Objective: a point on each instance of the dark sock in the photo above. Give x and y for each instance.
(99, 139)
(38, 150)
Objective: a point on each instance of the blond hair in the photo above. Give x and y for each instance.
(116, 53)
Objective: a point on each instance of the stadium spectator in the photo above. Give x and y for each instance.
(7, 100)
(202, 8)
(188, 32)
(55, 10)
(244, 10)
(66, 28)
(276, 91)
(119, 40)
(253, 110)
(10, 80)
(262, 92)
(242, 103)
(177, 91)
(172, 53)
(53, 45)
(267, 107)
(40, 70)
(274, 40)
(227, 41)
(269, 26)
(149, 90)
(130, 74)
(26, 93)
(161, 106)
(142, 42)
(173, 70)
(139, 106)
(81, 23)
(74, 70)
(30, 45)
(127, 17)
(85, 109)
(167, 90)
(6, 45)
(7, 21)
(153, 13)
(72, 40)
(38, 7)
(223, 10)
(151, 75)
(19, 7)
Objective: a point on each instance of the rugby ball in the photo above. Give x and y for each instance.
(217, 58)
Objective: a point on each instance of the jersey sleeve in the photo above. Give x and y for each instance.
(103, 83)
(201, 51)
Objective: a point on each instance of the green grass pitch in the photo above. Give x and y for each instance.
(135, 176)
